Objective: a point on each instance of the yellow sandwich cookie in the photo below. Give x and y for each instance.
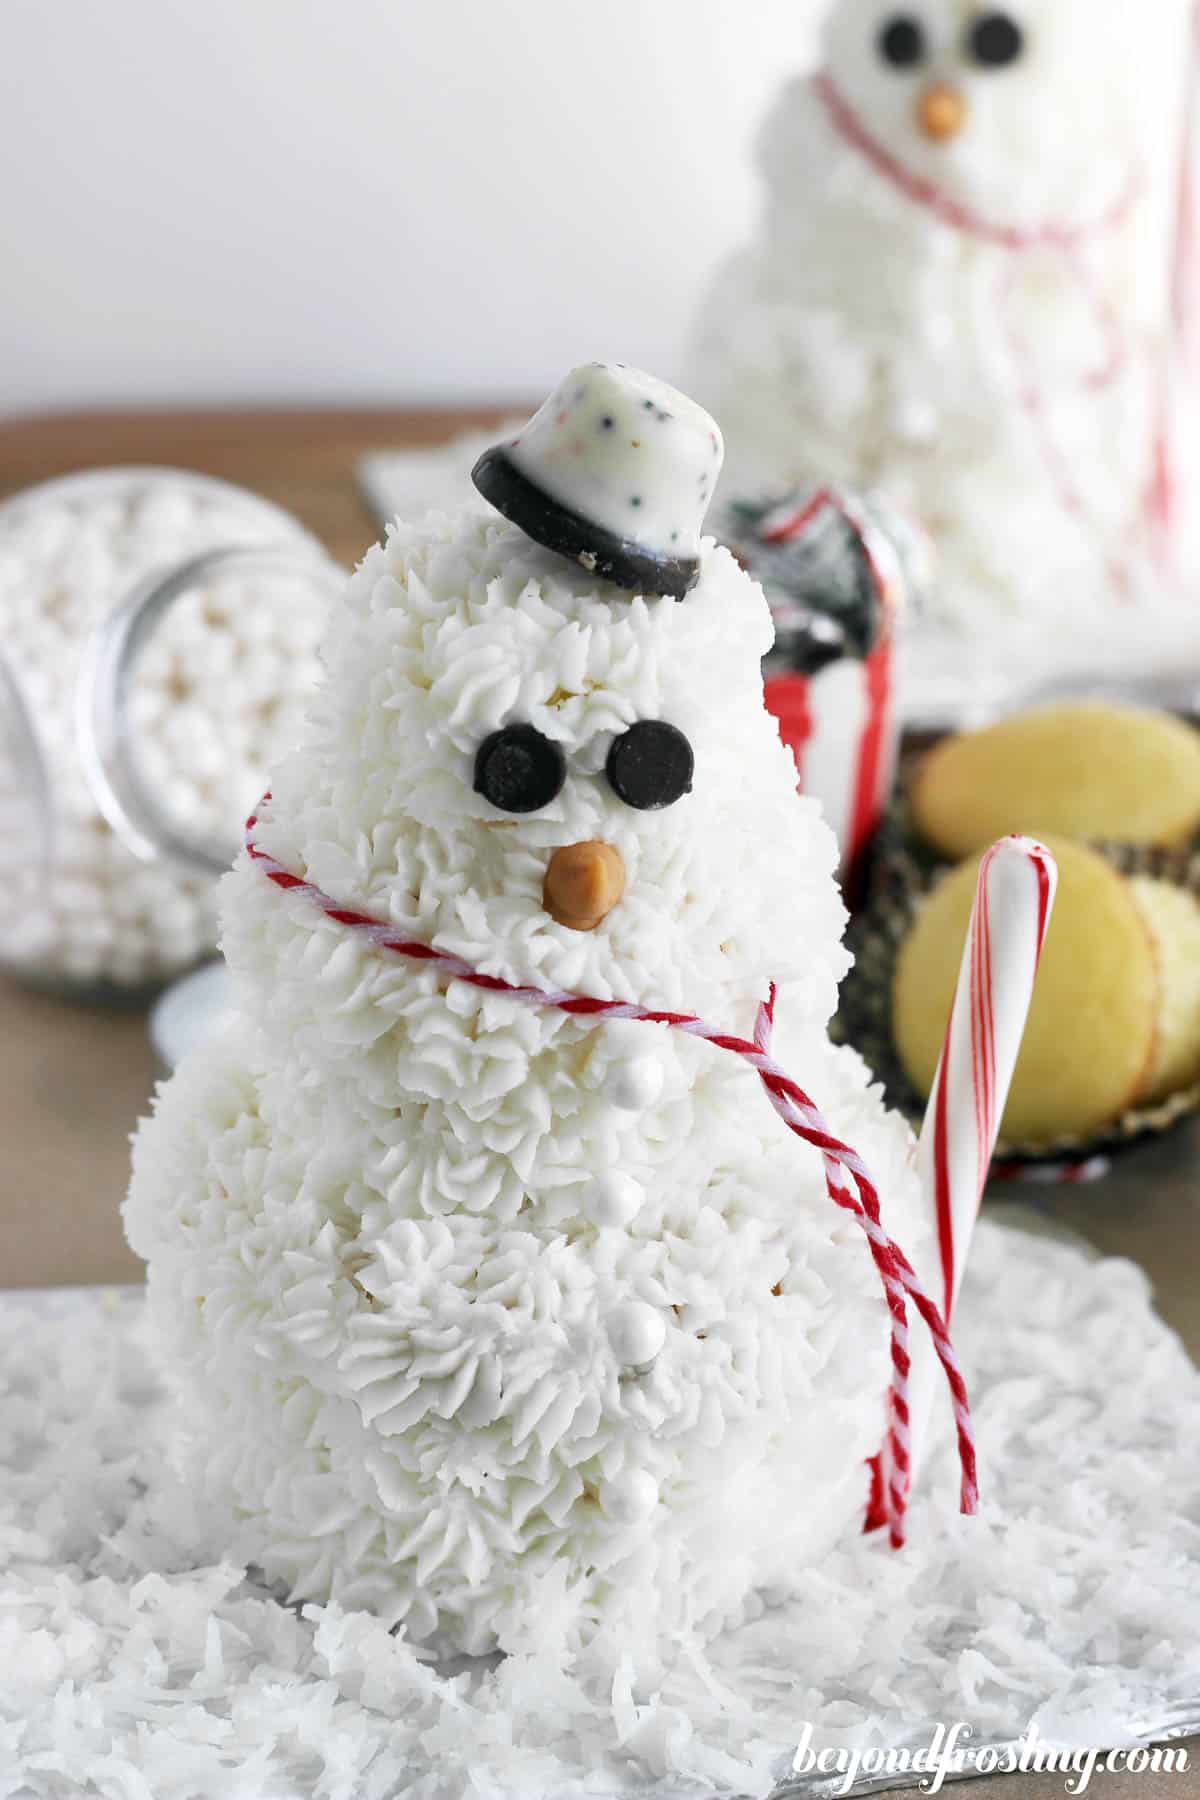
(1088, 770)
(1098, 1019)
(1172, 915)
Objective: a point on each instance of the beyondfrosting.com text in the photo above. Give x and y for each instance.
(950, 1755)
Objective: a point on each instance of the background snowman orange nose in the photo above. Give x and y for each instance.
(583, 884)
(942, 112)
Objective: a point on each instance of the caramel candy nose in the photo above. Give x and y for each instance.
(583, 884)
(941, 112)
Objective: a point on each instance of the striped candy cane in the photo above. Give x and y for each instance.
(847, 1179)
(1013, 902)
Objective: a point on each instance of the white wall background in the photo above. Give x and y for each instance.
(366, 200)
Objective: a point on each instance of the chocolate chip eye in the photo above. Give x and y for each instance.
(902, 41)
(995, 40)
(518, 770)
(650, 765)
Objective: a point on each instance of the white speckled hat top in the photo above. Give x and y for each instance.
(616, 470)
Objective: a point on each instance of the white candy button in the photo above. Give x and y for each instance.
(629, 1498)
(613, 1199)
(635, 1084)
(637, 1333)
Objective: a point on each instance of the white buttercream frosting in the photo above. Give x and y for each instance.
(457, 1338)
(628, 453)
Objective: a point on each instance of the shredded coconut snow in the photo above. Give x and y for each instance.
(137, 1658)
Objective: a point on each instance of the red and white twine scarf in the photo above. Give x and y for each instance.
(847, 1179)
(1070, 241)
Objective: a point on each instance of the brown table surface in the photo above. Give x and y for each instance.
(73, 1082)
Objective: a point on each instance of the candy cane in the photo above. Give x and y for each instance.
(847, 1179)
(1013, 901)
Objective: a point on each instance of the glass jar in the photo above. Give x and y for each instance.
(161, 642)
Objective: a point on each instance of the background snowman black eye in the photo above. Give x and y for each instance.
(650, 765)
(902, 41)
(518, 770)
(995, 40)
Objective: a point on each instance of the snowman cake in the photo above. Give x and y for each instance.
(958, 294)
(491, 1306)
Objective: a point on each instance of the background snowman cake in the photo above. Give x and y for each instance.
(958, 294)
(503, 1322)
